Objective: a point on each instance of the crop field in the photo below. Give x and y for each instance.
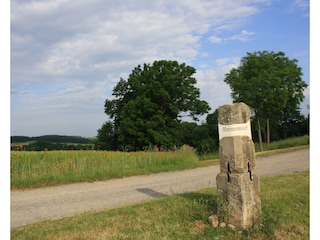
(46, 168)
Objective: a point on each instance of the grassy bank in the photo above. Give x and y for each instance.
(285, 213)
(280, 145)
(285, 143)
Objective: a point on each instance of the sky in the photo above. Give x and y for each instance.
(67, 56)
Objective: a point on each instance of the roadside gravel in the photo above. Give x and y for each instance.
(30, 206)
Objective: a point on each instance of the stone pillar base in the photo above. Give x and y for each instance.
(239, 199)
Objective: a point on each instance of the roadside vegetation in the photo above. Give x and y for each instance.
(47, 168)
(33, 169)
(285, 213)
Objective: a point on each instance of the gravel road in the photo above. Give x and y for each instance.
(30, 206)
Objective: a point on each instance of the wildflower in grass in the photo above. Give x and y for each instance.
(105, 154)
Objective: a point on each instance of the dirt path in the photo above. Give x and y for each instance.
(32, 206)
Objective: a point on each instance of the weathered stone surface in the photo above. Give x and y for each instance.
(234, 113)
(213, 219)
(222, 225)
(232, 227)
(242, 198)
(238, 185)
(236, 151)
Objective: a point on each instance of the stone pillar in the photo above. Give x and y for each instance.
(238, 185)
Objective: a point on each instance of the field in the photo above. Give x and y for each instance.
(33, 169)
(285, 214)
(47, 168)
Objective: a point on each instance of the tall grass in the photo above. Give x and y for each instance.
(47, 168)
(37, 169)
(280, 144)
(285, 143)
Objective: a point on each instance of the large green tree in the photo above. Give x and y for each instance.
(270, 83)
(147, 107)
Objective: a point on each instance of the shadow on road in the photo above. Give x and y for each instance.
(151, 192)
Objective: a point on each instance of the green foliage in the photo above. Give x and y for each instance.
(49, 146)
(147, 107)
(51, 138)
(263, 75)
(106, 138)
(198, 137)
(270, 83)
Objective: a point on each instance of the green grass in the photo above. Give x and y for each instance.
(289, 143)
(49, 168)
(285, 214)
(285, 143)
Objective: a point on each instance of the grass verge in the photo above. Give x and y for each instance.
(285, 213)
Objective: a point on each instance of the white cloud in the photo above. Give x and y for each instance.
(116, 31)
(211, 82)
(243, 36)
(222, 61)
(215, 39)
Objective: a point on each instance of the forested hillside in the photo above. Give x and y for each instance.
(51, 138)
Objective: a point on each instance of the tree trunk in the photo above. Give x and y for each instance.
(268, 131)
(259, 133)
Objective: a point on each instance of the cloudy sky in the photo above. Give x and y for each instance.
(66, 56)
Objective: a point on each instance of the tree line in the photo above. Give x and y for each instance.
(149, 108)
(51, 142)
(52, 139)
(50, 146)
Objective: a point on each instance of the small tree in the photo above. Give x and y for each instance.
(269, 83)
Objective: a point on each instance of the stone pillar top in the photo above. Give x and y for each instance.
(235, 113)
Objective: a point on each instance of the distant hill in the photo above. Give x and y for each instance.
(52, 139)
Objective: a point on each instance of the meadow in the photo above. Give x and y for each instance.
(48, 168)
(33, 169)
